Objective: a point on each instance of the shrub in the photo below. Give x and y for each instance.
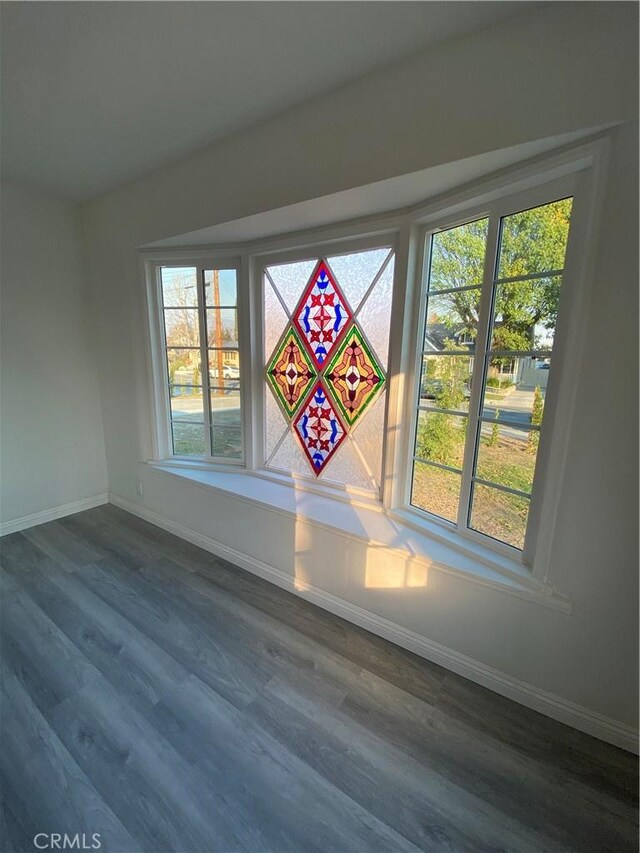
(439, 439)
(495, 431)
(536, 419)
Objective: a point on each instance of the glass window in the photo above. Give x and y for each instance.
(326, 333)
(488, 486)
(200, 318)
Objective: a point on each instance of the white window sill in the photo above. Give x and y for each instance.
(368, 522)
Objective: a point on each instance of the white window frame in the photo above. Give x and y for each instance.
(580, 169)
(163, 442)
(493, 212)
(382, 240)
(560, 176)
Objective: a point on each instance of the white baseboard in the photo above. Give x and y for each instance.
(549, 704)
(26, 521)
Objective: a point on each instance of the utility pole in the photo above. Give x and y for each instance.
(217, 334)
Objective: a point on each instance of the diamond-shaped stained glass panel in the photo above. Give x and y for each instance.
(354, 375)
(319, 429)
(322, 314)
(290, 372)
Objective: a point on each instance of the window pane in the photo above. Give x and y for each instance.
(356, 272)
(435, 490)
(186, 403)
(375, 313)
(348, 468)
(457, 256)
(499, 514)
(525, 314)
(275, 425)
(507, 456)
(535, 240)
(452, 321)
(326, 366)
(225, 407)
(222, 327)
(226, 442)
(220, 288)
(440, 438)
(275, 318)
(291, 279)
(224, 367)
(367, 436)
(288, 457)
(181, 327)
(446, 381)
(184, 366)
(188, 439)
(516, 390)
(179, 287)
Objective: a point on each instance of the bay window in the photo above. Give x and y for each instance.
(281, 360)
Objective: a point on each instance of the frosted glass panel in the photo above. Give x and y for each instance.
(346, 467)
(290, 279)
(367, 436)
(275, 424)
(289, 457)
(355, 272)
(375, 314)
(274, 319)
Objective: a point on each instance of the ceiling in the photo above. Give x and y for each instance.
(97, 94)
(380, 197)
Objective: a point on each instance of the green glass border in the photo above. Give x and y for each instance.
(357, 331)
(288, 332)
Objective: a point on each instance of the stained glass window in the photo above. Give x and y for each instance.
(326, 334)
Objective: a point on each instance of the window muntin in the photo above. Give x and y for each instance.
(326, 336)
(200, 324)
(525, 296)
(487, 487)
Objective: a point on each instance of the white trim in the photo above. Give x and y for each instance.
(35, 518)
(442, 550)
(549, 704)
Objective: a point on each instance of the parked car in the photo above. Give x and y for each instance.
(431, 388)
(229, 371)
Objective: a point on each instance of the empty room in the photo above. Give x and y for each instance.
(319, 427)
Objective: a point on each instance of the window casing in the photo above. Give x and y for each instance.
(326, 322)
(479, 413)
(409, 235)
(199, 333)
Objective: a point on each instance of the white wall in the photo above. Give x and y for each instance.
(52, 447)
(565, 67)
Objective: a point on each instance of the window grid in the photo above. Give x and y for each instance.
(223, 383)
(478, 418)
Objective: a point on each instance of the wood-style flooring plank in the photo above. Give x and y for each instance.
(172, 702)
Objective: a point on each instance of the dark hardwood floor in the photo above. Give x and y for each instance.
(167, 700)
